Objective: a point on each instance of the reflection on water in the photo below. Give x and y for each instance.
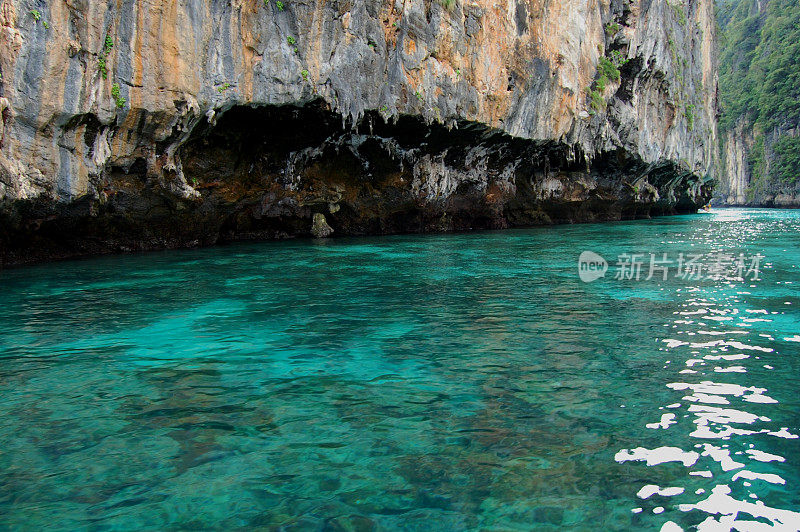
(722, 349)
(441, 382)
(716, 411)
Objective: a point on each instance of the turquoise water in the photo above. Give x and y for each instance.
(438, 382)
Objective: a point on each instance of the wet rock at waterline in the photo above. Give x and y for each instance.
(320, 227)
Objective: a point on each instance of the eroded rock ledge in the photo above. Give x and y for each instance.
(142, 125)
(270, 172)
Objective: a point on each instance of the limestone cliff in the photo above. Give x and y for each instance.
(749, 162)
(734, 179)
(136, 125)
(760, 109)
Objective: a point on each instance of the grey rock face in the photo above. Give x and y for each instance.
(117, 120)
(737, 185)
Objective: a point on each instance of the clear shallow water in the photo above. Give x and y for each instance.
(436, 382)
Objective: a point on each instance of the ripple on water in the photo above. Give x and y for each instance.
(746, 487)
(451, 382)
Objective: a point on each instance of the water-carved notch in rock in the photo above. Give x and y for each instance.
(282, 171)
(272, 168)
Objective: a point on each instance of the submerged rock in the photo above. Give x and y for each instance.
(175, 124)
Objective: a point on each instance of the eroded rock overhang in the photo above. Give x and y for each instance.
(265, 172)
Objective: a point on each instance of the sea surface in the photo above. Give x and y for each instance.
(436, 382)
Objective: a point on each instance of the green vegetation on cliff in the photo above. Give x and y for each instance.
(759, 77)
